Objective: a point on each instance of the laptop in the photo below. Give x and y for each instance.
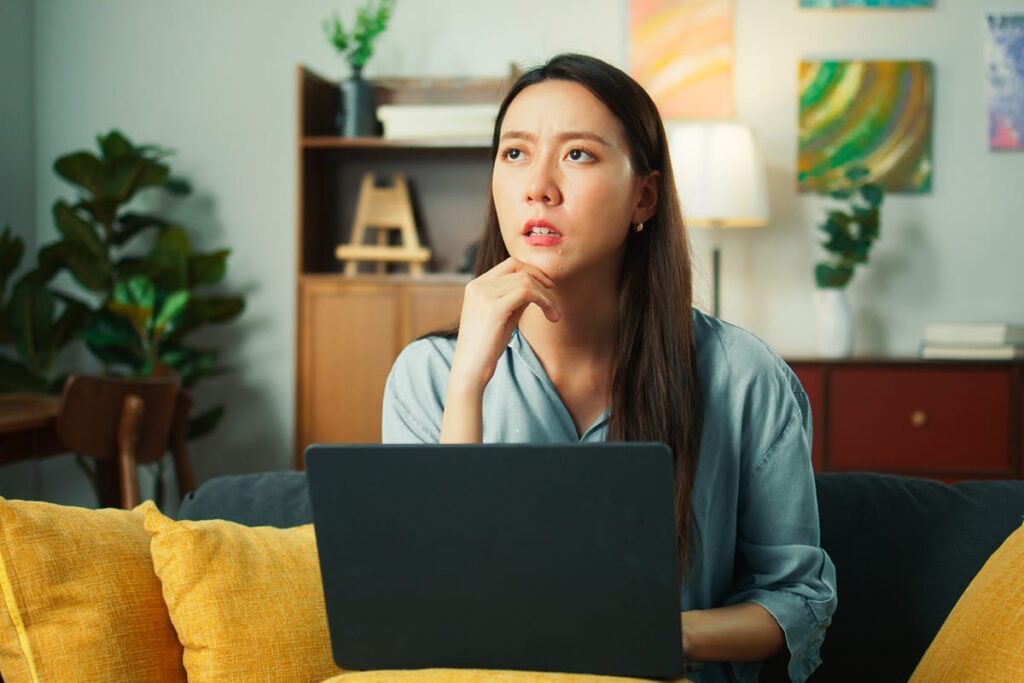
(557, 558)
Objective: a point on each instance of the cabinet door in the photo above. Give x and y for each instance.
(349, 337)
(432, 308)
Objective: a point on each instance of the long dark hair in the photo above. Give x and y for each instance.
(656, 393)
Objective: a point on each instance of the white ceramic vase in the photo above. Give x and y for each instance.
(835, 323)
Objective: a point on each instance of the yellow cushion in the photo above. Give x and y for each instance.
(78, 598)
(982, 639)
(477, 676)
(246, 602)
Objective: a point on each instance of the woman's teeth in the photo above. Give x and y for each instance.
(542, 231)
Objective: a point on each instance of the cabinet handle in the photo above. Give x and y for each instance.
(919, 418)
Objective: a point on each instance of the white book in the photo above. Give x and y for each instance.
(1002, 352)
(949, 334)
(438, 120)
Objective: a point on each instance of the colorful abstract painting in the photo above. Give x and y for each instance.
(1005, 52)
(681, 51)
(890, 4)
(876, 115)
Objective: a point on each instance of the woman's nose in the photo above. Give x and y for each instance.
(542, 185)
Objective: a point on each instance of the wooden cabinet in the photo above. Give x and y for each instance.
(349, 330)
(948, 420)
(351, 334)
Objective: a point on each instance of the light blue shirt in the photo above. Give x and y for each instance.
(754, 502)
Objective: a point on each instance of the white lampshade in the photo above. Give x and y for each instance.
(719, 174)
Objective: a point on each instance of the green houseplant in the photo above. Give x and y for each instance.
(141, 290)
(850, 231)
(356, 103)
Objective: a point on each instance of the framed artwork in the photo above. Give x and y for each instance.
(885, 4)
(1004, 51)
(876, 115)
(681, 51)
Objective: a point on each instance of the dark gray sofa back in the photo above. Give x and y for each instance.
(904, 548)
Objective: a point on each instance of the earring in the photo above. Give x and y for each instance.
(639, 227)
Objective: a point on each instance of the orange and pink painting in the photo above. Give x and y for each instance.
(681, 51)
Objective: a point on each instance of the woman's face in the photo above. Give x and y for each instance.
(563, 161)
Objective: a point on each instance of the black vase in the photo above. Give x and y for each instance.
(357, 106)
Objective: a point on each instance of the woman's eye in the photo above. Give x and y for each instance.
(511, 153)
(576, 154)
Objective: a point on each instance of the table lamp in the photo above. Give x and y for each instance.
(721, 181)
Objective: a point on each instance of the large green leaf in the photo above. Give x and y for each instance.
(172, 312)
(168, 263)
(90, 271)
(12, 248)
(30, 314)
(191, 364)
(207, 269)
(114, 144)
(131, 224)
(178, 186)
(80, 168)
(203, 310)
(77, 229)
(68, 326)
(134, 300)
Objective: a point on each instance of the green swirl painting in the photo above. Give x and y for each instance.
(898, 4)
(876, 115)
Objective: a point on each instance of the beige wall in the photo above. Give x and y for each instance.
(214, 80)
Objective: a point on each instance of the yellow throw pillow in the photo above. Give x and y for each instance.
(982, 639)
(246, 602)
(78, 598)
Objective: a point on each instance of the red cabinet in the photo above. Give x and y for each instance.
(946, 420)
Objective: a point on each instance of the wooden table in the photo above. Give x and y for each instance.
(28, 426)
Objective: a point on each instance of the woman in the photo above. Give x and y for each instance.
(578, 328)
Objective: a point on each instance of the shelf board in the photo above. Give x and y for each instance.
(337, 142)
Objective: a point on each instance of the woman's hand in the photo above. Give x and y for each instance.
(491, 308)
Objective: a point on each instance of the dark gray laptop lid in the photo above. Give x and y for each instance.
(528, 557)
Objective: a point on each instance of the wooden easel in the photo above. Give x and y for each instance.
(384, 209)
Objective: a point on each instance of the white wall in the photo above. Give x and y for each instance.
(214, 79)
(17, 156)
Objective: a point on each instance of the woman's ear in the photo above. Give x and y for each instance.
(647, 196)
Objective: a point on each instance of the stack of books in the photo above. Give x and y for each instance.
(973, 341)
(411, 122)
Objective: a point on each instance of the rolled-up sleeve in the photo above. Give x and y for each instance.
(780, 564)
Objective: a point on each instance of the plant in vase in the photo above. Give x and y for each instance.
(850, 232)
(356, 103)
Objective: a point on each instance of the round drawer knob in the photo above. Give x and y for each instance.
(919, 418)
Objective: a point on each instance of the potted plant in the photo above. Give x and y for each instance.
(356, 102)
(134, 306)
(850, 231)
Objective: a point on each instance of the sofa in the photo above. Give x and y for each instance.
(907, 551)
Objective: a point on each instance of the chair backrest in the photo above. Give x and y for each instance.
(90, 412)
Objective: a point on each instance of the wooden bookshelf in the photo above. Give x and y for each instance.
(349, 330)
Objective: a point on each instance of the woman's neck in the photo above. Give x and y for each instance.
(583, 339)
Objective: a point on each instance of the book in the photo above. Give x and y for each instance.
(438, 121)
(954, 352)
(950, 334)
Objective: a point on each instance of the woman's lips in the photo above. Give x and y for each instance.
(542, 240)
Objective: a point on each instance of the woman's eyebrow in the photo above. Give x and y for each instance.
(567, 135)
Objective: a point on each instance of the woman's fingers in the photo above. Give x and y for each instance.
(519, 295)
(536, 272)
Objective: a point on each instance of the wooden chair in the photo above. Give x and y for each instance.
(122, 423)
